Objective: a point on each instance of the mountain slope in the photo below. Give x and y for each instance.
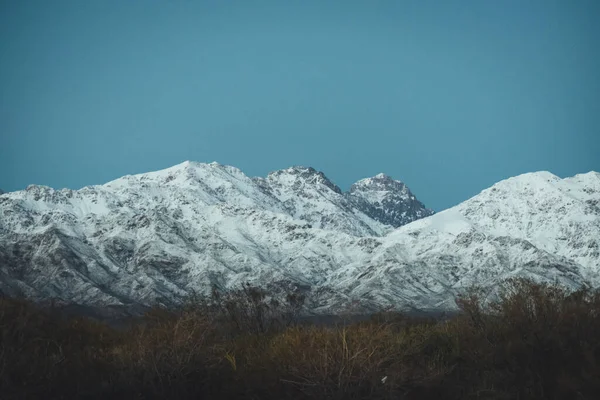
(155, 237)
(309, 195)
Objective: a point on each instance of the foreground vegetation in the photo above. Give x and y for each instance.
(537, 342)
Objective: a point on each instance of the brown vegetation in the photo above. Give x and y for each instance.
(537, 342)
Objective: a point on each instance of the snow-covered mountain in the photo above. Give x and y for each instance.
(154, 237)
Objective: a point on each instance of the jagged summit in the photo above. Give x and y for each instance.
(379, 182)
(303, 175)
(381, 177)
(372, 206)
(309, 195)
(387, 200)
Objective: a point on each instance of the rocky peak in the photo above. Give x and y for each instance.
(379, 182)
(303, 175)
(387, 200)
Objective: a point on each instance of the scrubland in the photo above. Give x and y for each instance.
(536, 342)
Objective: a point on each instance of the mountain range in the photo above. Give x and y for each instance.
(159, 236)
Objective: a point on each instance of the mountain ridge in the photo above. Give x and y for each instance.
(154, 237)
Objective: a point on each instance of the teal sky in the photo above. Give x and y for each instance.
(448, 96)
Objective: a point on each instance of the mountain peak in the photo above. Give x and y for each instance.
(531, 182)
(187, 170)
(537, 175)
(305, 175)
(379, 182)
(591, 179)
(387, 200)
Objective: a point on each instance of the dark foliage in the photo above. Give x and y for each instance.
(536, 342)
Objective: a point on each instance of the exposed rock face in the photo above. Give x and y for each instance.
(387, 201)
(372, 206)
(155, 237)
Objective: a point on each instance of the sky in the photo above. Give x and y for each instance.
(447, 96)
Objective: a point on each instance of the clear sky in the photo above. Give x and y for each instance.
(448, 96)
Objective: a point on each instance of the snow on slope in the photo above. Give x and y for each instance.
(558, 216)
(154, 237)
(534, 225)
(308, 195)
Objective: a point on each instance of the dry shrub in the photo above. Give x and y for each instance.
(364, 360)
(43, 355)
(165, 355)
(251, 309)
(536, 342)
